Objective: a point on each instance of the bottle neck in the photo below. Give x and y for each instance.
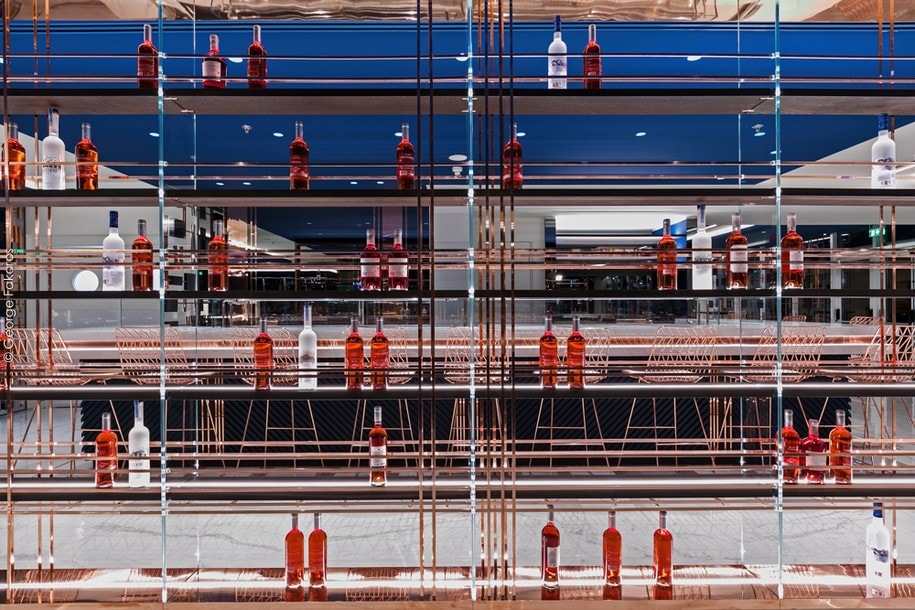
(141, 228)
(813, 427)
(662, 520)
(106, 422)
(87, 131)
(295, 521)
(592, 33)
(514, 131)
(667, 227)
(370, 238)
(735, 223)
(263, 327)
(611, 519)
(214, 44)
(840, 418)
(53, 122)
(379, 325)
(789, 419)
(138, 412)
(299, 130)
(398, 238)
(354, 327)
(307, 315)
(147, 33)
(700, 218)
(377, 416)
(575, 324)
(317, 521)
(405, 131)
(551, 514)
(217, 229)
(257, 34)
(548, 324)
(112, 222)
(792, 223)
(13, 131)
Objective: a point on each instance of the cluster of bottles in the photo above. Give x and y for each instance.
(737, 256)
(106, 452)
(548, 360)
(113, 254)
(612, 555)
(558, 63)
(811, 459)
(295, 562)
(138, 465)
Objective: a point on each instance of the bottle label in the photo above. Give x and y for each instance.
(370, 267)
(397, 267)
(257, 67)
(816, 461)
(378, 456)
(592, 66)
(886, 174)
(139, 464)
(558, 67)
(739, 257)
(880, 556)
(796, 260)
(50, 169)
(552, 557)
(308, 360)
(146, 66)
(212, 69)
(113, 271)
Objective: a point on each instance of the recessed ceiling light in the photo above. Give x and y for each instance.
(277, 134)
(154, 134)
(693, 57)
(236, 60)
(399, 134)
(380, 182)
(521, 134)
(246, 183)
(457, 158)
(353, 182)
(773, 152)
(641, 134)
(759, 134)
(461, 57)
(220, 184)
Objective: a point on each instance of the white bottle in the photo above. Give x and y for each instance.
(702, 253)
(558, 62)
(138, 447)
(53, 154)
(113, 256)
(882, 152)
(879, 553)
(308, 354)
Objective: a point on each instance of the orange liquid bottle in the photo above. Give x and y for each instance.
(106, 450)
(667, 260)
(218, 260)
(663, 554)
(549, 355)
(263, 358)
(840, 450)
(141, 258)
(575, 355)
(317, 555)
(549, 558)
(295, 562)
(354, 354)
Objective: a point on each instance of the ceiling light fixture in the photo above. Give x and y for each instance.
(277, 134)
(398, 134)
(154, 134)
(236, 60)
(641, 134)
(758, 128)
(457, 158)
(693, 57)
(246, 183)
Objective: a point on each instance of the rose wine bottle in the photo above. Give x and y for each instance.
(791, 449)
(840, 450)
(106, 450)
(308, 354)
(575, 355)
(591, 60)
(354, 352)
(257, 62)
(558, 67)
(299, 169)
(113, 256)
(138, 448)
(549, 355)
(814, 452)
(378, 452)
(295, 562)
(737, 255)
(317, 555)
(398, 264)
(512, 173)
(667, 260)
(549, 553)
(663, 554)
(217, 260)
(214, 66)
(792, 255)
(86, 155)
(141, 258)
(370, 263)
(879, 549)
(406, 158)
(147, 61)
(613, 552)
(53, 152)
(380, 356)
(883, 156)
(263, 358)
(16, 152)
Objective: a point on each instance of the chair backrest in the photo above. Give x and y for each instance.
(890, 356)
(488, 363)
(140, 353)
(285, 354)
(866, 321)
(401, 369)
(680, 354)
(41, 357)
(597, 353)
(800, 346)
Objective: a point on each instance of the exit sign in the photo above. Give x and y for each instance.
(876, 231)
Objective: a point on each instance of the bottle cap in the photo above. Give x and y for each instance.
(883, 122)
(13, 130)
(378, 416)
(113, 219)
(141, 227)
(307, 314)
(317, 521)
(263, 325)
(700, 216)
(53, 121)
(138, 410)
(557, 24)
(106, 421)
(878, 510)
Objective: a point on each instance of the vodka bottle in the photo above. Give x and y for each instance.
(53, 153)
(792, 255)
(317, 555)
(378, 452)
(86, 155)
(263, 358)
(877, 561)
(558, 62)
(308, 354)
(702, 254)
(549, 553)
(591, 60)
(883, 156)
(16, 152)
(295, 562)
(398, 261)
(113, 256)
(663, 553)
(214, 66)
(106, 452)
(147, 61)
(737, 256)
(138, 447)
(667, 260)
(406, 156)
(299, 168)
(257, 62)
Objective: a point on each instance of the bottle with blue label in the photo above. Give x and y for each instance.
(877, 564)
(558, 60)
(883, 156)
